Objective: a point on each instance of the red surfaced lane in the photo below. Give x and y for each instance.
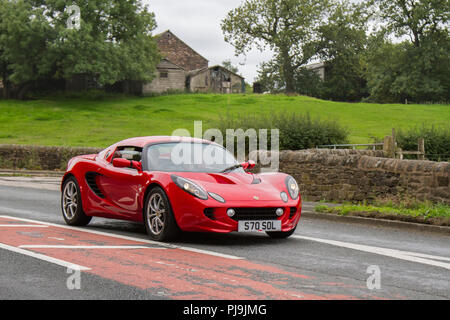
(170, 272)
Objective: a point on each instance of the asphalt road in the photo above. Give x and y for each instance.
(323, 259)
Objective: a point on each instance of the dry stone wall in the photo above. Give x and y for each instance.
(364, 175)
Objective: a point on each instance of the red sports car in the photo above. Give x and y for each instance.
(174, 184)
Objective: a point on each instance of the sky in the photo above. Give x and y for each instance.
(197, 23)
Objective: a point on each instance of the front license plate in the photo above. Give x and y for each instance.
(259, 225)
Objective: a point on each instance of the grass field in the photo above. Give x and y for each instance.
(99, 123)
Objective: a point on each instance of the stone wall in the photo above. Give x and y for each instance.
(39, 157)
(364, 175)
(175, 80)
(321, 173)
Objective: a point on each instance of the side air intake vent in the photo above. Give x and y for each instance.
(90, 179)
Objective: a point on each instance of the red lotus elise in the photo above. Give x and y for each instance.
(174, 184)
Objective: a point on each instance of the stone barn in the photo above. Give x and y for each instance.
(184, 69)
(216, 79)
(169, 77)
(178, 59)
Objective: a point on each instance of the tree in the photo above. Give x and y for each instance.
(415, 70)
(402, 72)
(24, 37)
(228, 65)
(414, 18)
(269, 77)
(113, 43)
(288, 27)
(343, 42)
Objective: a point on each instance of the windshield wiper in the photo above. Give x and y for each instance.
(231, 168)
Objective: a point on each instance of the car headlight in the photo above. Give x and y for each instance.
(216, 197)
(190, 187)
(292, 187)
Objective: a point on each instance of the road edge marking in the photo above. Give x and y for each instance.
(50, 246)
(162, 244)
(43, 257)
(393, 253)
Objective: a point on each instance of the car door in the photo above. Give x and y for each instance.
(122, 186)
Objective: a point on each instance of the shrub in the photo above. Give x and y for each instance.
(297, 131)
(437, 141)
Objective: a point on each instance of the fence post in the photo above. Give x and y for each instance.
(421, 149)
(388, 146)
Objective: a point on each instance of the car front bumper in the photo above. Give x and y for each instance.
(196, 215)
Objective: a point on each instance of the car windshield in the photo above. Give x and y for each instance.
(189, 157)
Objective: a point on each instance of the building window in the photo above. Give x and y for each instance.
(163, 74)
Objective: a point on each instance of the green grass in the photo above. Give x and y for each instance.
(99, 123)
(410, 210)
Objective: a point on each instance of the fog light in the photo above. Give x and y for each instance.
(231, 212)
(279, 212)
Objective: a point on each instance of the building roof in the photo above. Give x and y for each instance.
(178, 52)
(317, 65)
(198, 71)
(160, 64)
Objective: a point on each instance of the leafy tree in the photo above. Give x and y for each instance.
(415, 70)
(402, 72)
(308, 82)
(23, 44)
(288, 27)
(269, 77)
(343, 41)
(228, 65)
(414, 18)
(113, 43)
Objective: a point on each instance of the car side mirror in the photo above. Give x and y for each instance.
(124, 163)
(248, 165)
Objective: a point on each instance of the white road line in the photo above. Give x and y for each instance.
(166, 245)
(23, 225)
(398, 254)
(44, 257)
(43, 246)
(422, 255)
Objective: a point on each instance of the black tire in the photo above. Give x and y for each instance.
(281, 234)
(71, 204)
(157, 207)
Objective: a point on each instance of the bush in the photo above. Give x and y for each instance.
(437, 141)
(297, 131)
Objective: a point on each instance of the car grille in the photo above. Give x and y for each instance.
(292, 212)
(255, 214)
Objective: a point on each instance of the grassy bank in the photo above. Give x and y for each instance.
(89, 122)
(410, 211)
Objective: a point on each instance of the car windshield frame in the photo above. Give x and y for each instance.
(198, 168)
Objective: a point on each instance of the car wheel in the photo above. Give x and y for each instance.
(281, 234)
(158, 216)
(71, 207)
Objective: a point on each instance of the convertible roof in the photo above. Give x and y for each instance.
(143, 141)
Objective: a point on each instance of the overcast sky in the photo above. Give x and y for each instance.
(197, 22)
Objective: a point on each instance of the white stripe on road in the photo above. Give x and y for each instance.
(43, 246)
(162, 244)
(23, 225)
(403, 255)
(44, 257)
(398, 254)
